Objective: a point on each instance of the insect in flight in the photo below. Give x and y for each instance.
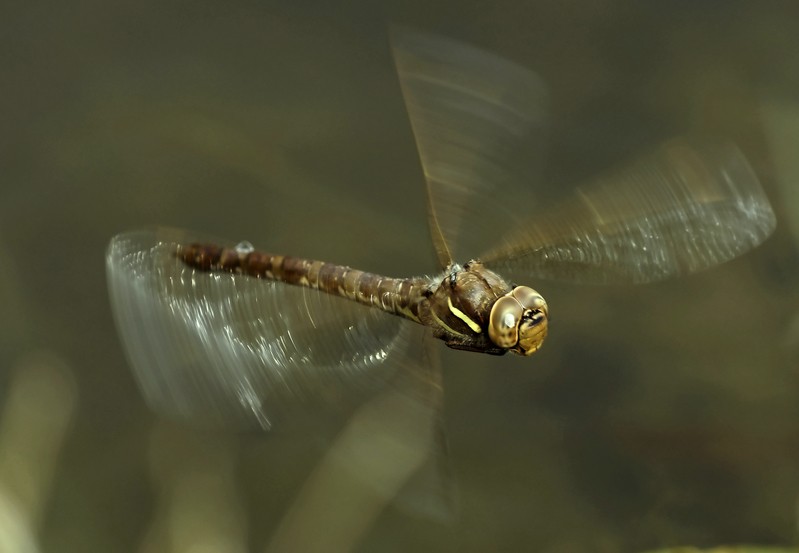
(230, 331)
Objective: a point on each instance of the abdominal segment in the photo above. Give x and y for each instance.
(396, 296)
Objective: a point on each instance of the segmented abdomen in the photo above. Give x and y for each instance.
(398, 296)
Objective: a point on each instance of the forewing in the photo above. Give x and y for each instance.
(477, 120)
(222, 347)
(690, 205)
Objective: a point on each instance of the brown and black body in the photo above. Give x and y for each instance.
(457, 309)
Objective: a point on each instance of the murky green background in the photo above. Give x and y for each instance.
(656, 415)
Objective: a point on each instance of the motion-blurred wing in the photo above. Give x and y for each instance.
(477, 120)
(689, 206)
(431, 492)
(217, 346)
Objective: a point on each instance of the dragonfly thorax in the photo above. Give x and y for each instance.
(475, 309)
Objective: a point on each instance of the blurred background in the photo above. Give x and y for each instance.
(655, 416)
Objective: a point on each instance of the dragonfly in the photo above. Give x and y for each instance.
(223, 330)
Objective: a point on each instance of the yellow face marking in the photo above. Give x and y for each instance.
(462, 316)
(446, 327)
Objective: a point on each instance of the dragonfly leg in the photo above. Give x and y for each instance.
(465, 346)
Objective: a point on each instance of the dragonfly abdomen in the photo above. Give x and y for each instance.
(394, 295)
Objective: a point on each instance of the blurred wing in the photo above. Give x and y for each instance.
(477, 120)
(432, 491)
(689, 206)
(222, 347)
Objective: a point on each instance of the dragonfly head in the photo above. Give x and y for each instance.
(518, 321)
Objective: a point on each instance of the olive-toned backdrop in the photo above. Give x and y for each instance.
(656, 415)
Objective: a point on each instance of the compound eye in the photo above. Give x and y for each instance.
(503, 323)
(530, 299)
